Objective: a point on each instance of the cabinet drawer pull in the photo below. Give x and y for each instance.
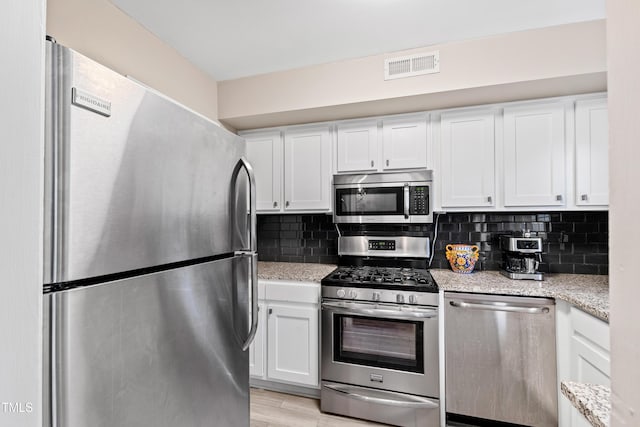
(270, 310)
(489, 199)
(387, 162)
(371, 163)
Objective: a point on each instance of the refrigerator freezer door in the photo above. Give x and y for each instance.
(133, 180)
(157, 350)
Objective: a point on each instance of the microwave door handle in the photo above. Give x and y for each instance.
(406, 201)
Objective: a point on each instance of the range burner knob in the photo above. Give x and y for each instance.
(341, 293)
(376, 296)
(413, 299)
(400, 298)
(353, 294)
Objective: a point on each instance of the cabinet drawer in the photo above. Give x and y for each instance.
(300, 292)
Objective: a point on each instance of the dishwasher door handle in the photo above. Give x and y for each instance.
(497, 306)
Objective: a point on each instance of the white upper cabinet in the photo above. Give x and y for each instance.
(404, 142)
(264, 152)
(467, 166)
(307, 169)
(534, 155)
(357, 146)
(592, 152)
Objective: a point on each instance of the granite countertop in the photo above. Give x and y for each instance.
(303, 272)
(585, 291)
(593, 401)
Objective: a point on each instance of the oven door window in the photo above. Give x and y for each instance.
(383, 343)
(370, 201)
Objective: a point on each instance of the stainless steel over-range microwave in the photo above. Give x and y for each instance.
(386, 197)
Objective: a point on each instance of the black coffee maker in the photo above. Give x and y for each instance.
(521, 257)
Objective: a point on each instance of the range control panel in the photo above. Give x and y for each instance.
(419, 200)
(382, 245)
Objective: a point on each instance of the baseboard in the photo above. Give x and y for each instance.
(285, 388)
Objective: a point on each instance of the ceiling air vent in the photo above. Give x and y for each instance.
(413, 65)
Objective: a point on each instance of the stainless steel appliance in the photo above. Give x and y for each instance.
(380, 333)
(387, 197)
(500, 358)
(521, 257)
(149, 252)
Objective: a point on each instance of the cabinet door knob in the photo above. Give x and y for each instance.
(584, 197)
(286, 204)
(489, 199)
(387, 162)
(559, 197)
(270, 310)
(275, 204)
(371, 163)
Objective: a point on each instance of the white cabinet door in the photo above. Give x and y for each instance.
(590, 349)
(307, 169)
(404, 142)
(292, 344)
(256, 349)
(357, 146)
(264, 152)
(467, 159)
(534, 159)
(592, 152)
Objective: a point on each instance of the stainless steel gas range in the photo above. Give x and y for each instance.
(380, 333)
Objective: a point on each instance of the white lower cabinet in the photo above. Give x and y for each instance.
(292, 343)
(286, 346)
(583, 356)
(256, 350)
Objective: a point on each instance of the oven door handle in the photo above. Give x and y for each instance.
(414, 402)
(343, 308)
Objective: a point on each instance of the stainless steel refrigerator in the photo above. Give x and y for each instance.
(150, 257)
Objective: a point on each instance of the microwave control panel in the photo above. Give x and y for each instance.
(419, 200)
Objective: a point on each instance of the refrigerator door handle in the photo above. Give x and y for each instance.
(254, 302)
(253, 218)
(253, 245)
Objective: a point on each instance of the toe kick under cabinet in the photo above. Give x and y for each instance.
(284, 354)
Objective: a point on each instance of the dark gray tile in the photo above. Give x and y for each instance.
(586, 269)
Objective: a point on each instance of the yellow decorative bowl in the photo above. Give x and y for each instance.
(462, 258)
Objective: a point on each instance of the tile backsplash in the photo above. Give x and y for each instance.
(573, 242)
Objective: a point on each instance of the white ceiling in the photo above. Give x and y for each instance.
(237, 38)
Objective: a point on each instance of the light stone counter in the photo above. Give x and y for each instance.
(303, 272)
(587, 292)
(593, 401)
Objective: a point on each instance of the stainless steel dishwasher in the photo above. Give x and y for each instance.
(500, 356)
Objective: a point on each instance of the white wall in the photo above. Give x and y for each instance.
(21, 169)
(560, 60)
(101, 31)
(623, 51)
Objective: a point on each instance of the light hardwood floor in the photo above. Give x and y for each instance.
(271, 409)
